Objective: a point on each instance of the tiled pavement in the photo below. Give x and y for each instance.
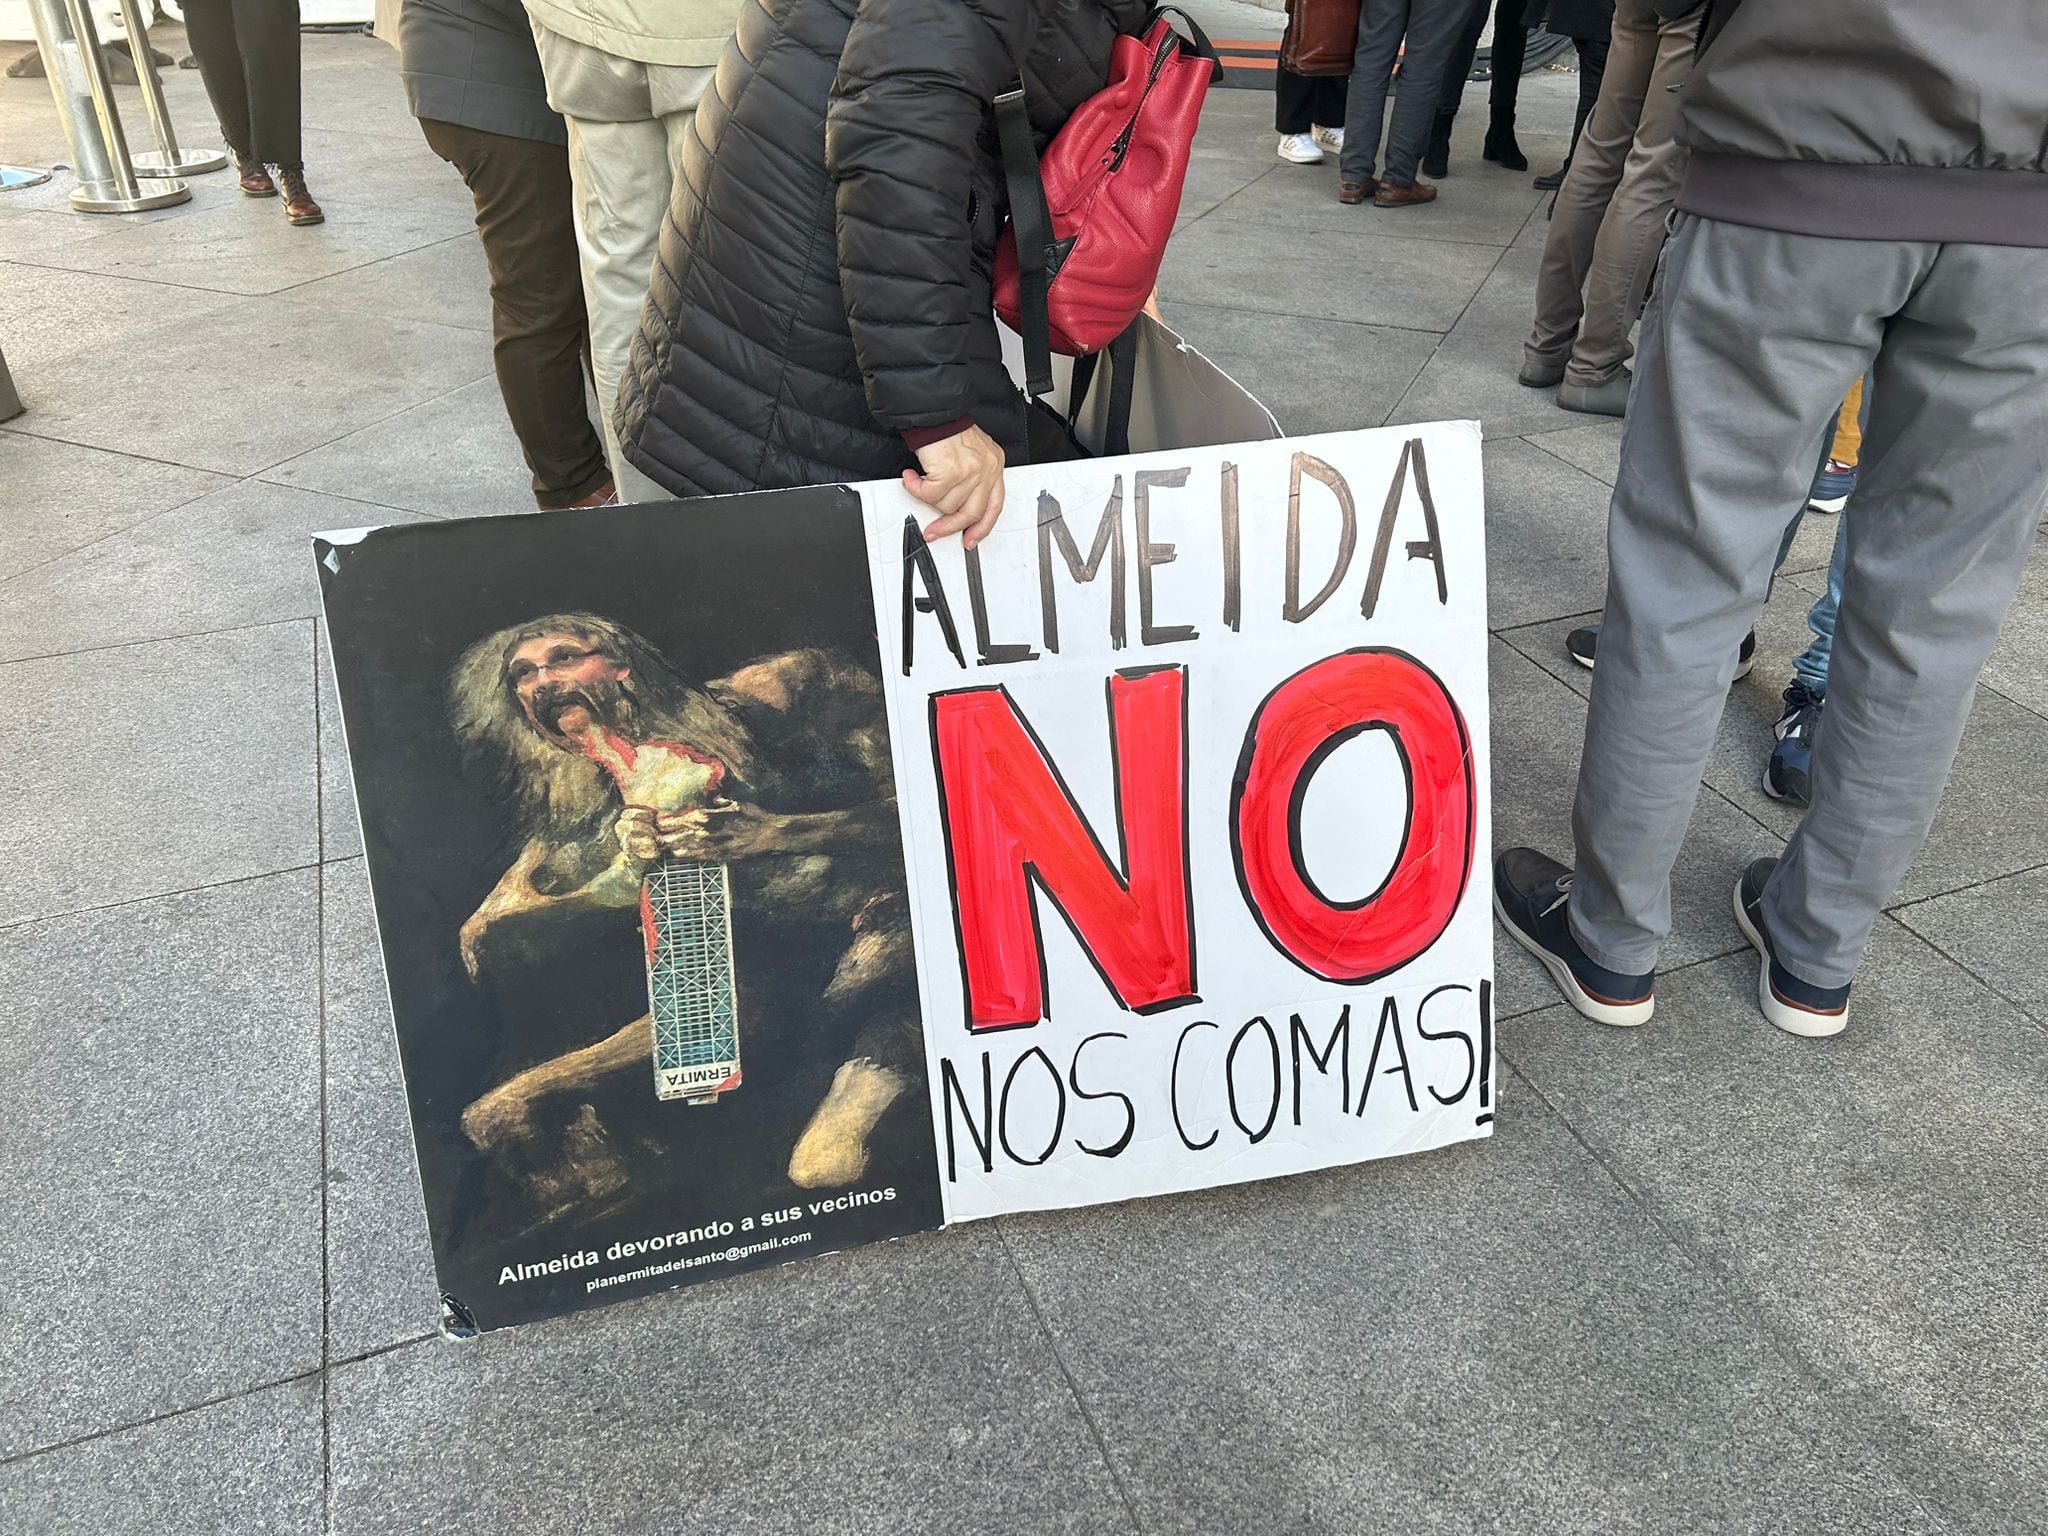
(1707, 1278)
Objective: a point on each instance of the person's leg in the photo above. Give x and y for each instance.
(1752, 339)
(1457, 72)
(1510, 51)
(1946, 511)
(1432, 33)
(1327, 102)
(1464, 50)
(1380, 25)
(268, 31)
(539, 332)
(1810, 666)
(620, 168)
(1292, 96)
(1631, 233)
(1837, 475)
(1848, 446)
(210, 29)
(1588, 189)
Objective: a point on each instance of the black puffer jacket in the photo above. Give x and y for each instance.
(823, 282)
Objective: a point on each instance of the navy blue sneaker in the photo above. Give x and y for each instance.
(1789, 773)
(1831, 487)
(1795, 1006)
(1583, 646)
(1532, 897)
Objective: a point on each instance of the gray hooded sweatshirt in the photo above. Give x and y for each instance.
(1872, 119)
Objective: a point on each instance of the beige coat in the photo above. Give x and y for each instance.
(650, 31)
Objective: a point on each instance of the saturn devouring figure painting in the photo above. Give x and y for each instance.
(634, 791)
(625, 789)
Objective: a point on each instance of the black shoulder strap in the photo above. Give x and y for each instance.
(1031, 227)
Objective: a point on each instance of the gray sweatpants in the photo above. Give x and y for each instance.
(1747, 349)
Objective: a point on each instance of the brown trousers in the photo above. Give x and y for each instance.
(1608, 225)
(541, 336)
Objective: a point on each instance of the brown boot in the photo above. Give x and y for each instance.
(255, 177)
(1391, 195)
(1352, 193)
(299, 207)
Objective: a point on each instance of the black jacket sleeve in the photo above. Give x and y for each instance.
(913, 92)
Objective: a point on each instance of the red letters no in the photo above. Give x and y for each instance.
(1011, 823)
(1301, 723)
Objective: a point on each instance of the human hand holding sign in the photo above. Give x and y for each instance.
(962, 476)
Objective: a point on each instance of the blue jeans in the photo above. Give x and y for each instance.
(1811, 665)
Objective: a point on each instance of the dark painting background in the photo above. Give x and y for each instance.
(713, 584)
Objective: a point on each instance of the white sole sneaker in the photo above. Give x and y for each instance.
(1299, 149)
(1792, 1019)
(1832, 504)
(1599, 1010)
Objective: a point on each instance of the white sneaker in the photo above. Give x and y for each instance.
(1299, 149)
(1331, 139)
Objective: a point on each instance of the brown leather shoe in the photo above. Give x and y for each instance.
(299, 207)
(1355, 192)
(1391, 196)
(606, 495)
(255, 177)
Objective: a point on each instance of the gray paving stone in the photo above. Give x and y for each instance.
(380, 1264)
(1876, 1201)
(1473, 372)
(60, 496)
(1595, 448)
(247, 1467)
(1375, 280)
(257, 384)
(239, 556)
(138, 770)
(446, 283)
(455, 456)
(1546, 535)
(1488, 207)
(376, 204)
(1314, 375)
(63, 324)
(1995, 930)
(1491, 1337)
(1537, 729)
(341, 832)
(160, 1098)
(2019, 666)
(1993, 819)
(28, 227)
(901, 1388)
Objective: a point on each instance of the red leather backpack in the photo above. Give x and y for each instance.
(1089, 223)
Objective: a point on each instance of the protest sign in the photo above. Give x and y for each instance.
(756, 880)
(1191, 765)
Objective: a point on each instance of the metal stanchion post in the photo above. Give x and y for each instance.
(70, 47)
(166, 159)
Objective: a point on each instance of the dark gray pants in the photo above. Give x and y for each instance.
(248, 52)
(1431, 29)
(1747, 349)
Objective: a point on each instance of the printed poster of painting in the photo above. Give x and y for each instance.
(626, 794)
(1191, 760)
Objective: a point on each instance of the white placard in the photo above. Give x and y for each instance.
(1192, 768)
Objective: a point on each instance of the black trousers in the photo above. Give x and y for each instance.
(1302, 102)
(540, 334)
(248, 52)
(1510, 48)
